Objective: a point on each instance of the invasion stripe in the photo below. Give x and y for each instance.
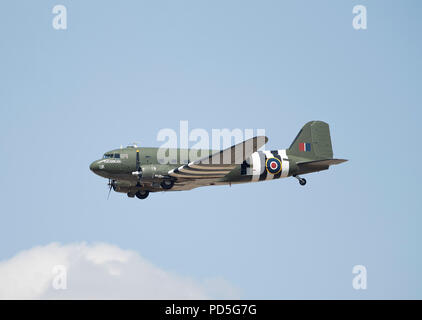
(269, 155)
(276, 155)
(203, 172)
(286, 163)
(263, 175)
(177, 171)
(183, 175)
(208, 168)
(256, 166)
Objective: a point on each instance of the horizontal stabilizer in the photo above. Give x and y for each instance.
(327, 162)
(317, 165)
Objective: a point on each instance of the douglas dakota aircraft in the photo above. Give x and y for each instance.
(138, 171)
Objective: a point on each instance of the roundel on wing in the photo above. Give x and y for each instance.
(273, 165)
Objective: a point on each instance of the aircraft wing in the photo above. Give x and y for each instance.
(221, 163)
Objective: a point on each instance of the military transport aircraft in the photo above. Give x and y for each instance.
(138, 171)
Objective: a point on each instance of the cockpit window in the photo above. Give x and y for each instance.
(111, 155)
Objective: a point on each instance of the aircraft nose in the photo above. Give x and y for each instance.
(94, 166)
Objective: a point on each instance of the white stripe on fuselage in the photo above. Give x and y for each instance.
(285, 165)
(256, 166)
(269, 155)
(258, 162)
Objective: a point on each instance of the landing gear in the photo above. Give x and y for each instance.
(130, 194)
(167, 184)
(142, 194)
(302, 181)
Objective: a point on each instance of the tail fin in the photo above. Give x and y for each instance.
(313, 142)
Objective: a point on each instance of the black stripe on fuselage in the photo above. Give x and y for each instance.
(263, 175)
(276, 155)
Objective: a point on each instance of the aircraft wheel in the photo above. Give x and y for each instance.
(302, 181)
(167, 184)
(142, 194)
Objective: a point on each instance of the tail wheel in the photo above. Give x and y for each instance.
(302, 181)
(142, 194)
(167, 184)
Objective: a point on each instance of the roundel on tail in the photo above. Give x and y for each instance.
(273, 165)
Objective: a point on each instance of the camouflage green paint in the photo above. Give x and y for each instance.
(310, 151)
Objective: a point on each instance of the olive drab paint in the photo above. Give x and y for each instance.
(137, 170)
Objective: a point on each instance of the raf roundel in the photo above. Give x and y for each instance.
(273, 165)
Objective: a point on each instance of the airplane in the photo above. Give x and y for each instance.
(138, 171)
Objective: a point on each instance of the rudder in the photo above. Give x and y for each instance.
(313, 142)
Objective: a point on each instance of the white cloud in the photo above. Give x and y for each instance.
(99, 271)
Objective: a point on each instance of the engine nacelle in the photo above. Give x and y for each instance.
(154, 171)
(121, 186)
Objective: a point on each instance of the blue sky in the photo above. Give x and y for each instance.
(123, 71)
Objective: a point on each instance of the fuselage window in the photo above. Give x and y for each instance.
(117, 155)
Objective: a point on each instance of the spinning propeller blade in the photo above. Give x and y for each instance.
(110, 184)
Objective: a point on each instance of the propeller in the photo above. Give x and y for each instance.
(111, 185)
(138, 166)
(138, 162)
